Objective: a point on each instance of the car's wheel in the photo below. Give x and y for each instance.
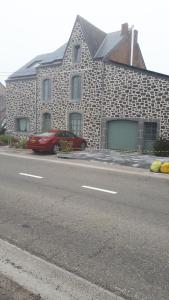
(82, 146)
(55, 149)
(35, 151)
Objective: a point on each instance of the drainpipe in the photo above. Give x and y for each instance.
(132, 45)
(101, 114)
(36, 106)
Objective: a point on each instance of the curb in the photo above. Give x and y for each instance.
(92, 165)
(46, 279)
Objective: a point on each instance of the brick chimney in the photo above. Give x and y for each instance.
(124, 29)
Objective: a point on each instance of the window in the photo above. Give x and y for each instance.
(22, 124)
(150, 135)
(75, 123)
(76, 54)
(46, 90)
(60, 134)
(34, 64)
(45, 134)
(46, 122)
(150, 131)
(76, 87)
(69, 135)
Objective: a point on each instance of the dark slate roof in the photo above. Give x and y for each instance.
(30, 68)
(99, 44)
(93, 36)
(54, 56)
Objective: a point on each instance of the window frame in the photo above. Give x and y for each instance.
(76, 53)
(73, 88)
(150, 131)
(42, 118)
(18, 125)
(78, 132)
(46, 90)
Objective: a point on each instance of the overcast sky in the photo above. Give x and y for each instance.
(32, 27)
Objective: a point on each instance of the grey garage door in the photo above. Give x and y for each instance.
(122, 135)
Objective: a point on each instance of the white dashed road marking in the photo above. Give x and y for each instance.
(30, 175)
(97, 189)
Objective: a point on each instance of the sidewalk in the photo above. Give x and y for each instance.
(135, 160)
(110, 157)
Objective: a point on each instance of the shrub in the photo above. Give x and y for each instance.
(66, 146)
(4, 138)
(161, 147)
(22, 143)
(7, 139)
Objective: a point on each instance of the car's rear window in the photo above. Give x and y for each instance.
(46, 134)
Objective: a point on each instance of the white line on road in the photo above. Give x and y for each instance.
(97, 189)
(48, 280)
(30, 175)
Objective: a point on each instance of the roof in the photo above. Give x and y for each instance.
(93, 36)
(2, 88)
(30, 69)
(99, 44)
(110, 42)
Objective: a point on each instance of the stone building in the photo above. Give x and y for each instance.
(89, 87)
(2, 103)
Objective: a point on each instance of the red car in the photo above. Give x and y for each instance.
(50, 141)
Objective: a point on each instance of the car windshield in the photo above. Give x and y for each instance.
(46, 134)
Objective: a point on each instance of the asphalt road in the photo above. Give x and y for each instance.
(117, 240)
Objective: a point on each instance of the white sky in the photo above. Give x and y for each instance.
(32, 27)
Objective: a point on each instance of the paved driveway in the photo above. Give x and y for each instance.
(135, 159)
(114, 157)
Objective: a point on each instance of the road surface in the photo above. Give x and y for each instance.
(110, 228)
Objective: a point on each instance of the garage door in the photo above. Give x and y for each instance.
(122, 135)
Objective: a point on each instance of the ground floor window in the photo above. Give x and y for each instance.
(46, 122)
(149, 135)
(150, 130)
(22, 124)
(75, 123)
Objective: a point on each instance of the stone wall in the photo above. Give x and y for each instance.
(2, 101)
(21, 102)
(61, 104)
(134, 94)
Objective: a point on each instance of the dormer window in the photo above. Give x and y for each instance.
(35, 64)
(76, 54)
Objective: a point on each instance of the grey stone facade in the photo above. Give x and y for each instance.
(2, 102)
(137, 95)
(109, 91)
